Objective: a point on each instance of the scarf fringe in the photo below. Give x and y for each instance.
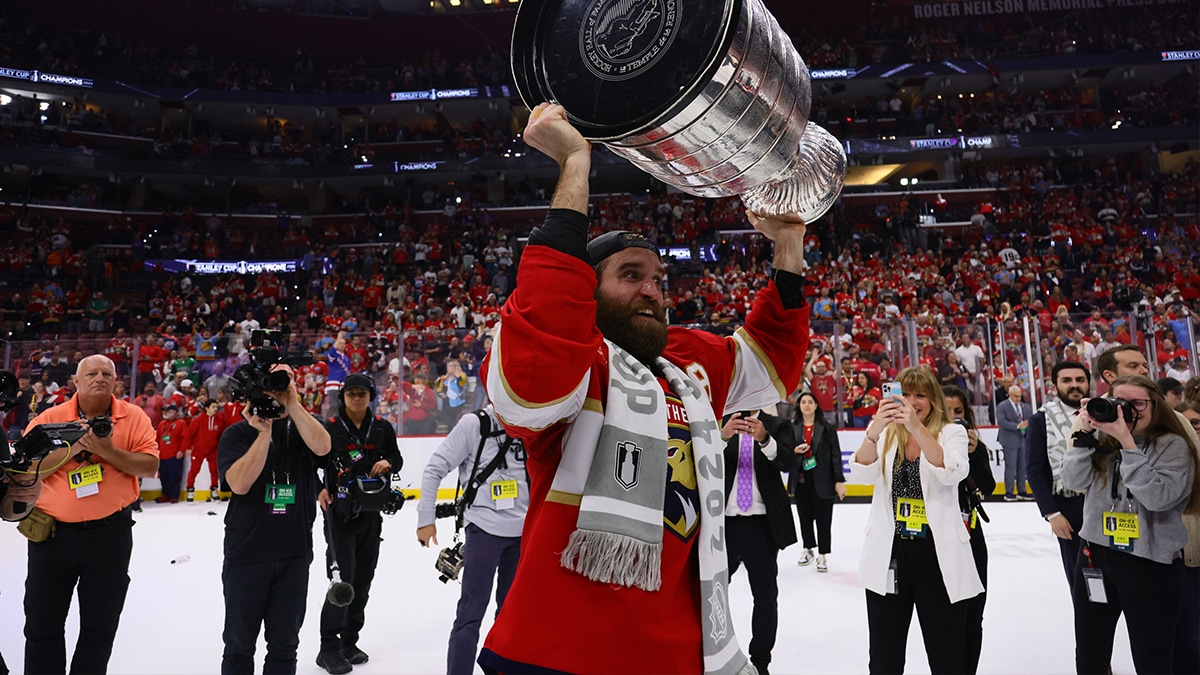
(614, 558)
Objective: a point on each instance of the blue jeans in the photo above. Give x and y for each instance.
(486, 556)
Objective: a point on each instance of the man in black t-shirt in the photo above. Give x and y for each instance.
(269, 467)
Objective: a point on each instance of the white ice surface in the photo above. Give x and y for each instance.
(174, 613)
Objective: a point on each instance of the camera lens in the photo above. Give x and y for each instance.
(1102, 410)
(277, 380)
(101, 426)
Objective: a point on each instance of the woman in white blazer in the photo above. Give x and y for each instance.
(917, 551)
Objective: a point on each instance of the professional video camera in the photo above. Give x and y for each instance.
(450, 562)
(46, 438)
(252, 381)
(365, 494)
(1106, 409)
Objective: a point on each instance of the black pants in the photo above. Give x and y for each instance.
(1150, 595)
(919, 578)
(1072, 510)
(268, 595)
(97, 559)
(748, 541)
(1187, 637)
(975, 605)
(355, 546)
(812, 509)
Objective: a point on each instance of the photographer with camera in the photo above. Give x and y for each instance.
(84, 535)
(356, 491)
(268, 463)
(972, 492)
(1139, 475)
(484, 456)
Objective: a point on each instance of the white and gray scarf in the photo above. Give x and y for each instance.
(1058, 438)
(614, 466)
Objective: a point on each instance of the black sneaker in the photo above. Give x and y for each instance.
(191, 494)
(1027, 498)
(1011, 498)
(355, 655)
(334, 663)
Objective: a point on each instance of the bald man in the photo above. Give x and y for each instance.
(89, 489)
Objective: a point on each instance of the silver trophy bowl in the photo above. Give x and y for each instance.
(707, 95)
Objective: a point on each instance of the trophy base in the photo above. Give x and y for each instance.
(813, 185)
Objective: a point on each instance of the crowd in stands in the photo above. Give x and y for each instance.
(98, 54)
(316, 141)
(905, 39)
(996, 110)
(1105, 254)
(1010, 111)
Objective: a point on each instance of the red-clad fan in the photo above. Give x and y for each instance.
(372, 298)
(823, 385)
(203, 434)
(171, 434)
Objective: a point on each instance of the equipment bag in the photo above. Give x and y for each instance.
(38, 526)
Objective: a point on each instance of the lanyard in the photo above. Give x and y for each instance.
(287, 471)
(362, 440)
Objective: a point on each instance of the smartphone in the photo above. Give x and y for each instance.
(891, 389)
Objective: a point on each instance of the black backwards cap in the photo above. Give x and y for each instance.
(613, 242)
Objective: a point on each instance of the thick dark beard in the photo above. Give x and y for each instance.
(645, 340)
(1070, 404)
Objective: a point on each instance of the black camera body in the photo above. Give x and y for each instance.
(9, 391)
(450, 562)
(446, 510)
(1107, 409)
(365, 494)
(46, 438)
(252, 382)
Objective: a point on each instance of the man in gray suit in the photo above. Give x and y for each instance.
(1013, 418)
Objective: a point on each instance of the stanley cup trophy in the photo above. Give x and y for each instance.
(707, 95)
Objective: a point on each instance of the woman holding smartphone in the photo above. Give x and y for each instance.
(1138, 475)
(972, 491)
(816, 477)
(917, 553)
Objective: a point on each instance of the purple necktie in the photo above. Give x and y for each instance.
(745, 472)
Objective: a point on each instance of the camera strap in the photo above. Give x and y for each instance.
(467, 496)
(85, 456)
(354, 435)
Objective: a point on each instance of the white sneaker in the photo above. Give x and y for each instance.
(806, 558)
(822, 566)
